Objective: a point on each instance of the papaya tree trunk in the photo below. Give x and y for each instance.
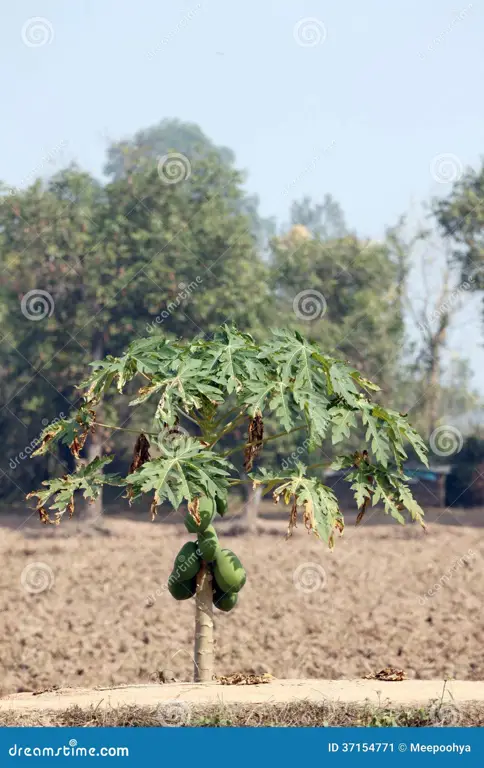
(94, 448)
(251, 510)
(204, 627)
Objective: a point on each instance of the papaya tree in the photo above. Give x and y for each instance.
(213, 386)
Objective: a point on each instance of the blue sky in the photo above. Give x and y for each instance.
(362, 115)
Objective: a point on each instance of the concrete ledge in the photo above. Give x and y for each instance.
(397, 694)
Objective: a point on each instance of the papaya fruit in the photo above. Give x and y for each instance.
(221, 505)
(206, 509)
(227, 602)
(224, 601)
(187, 562)
(181, 590)
(228, 571)
(208, 544)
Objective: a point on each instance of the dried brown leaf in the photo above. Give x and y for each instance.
(193, 507)
(141, 453)
(154, 504)
(254, 444)
(389, 674)
(242, 679)
(292, 518)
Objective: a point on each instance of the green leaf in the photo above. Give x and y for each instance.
(59, 492)
(185, 470)
(379, 440)
(342, 421)
(343, 384)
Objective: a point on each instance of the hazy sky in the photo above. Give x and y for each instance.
(362, 100)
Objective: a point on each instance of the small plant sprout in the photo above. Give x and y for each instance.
(203, 394)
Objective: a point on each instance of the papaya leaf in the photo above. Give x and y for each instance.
(288, 376)
(183, 471)
(59, 492)
(342, 383)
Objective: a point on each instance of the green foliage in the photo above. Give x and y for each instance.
(461, 218)
(361, 316)
(115, 268)
(59, 493)
(288, 378)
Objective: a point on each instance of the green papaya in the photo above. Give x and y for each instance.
(221, 505)
(208, 544)
(228, 571)
(218, 592)
(187, 562)
(227, 602)
(181, 590)
(206, 509)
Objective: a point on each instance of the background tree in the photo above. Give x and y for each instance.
(172, 136)
(138, 253)
(431, 295)
(461, 218)
(343, 291)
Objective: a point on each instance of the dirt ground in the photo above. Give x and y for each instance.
(84, 607)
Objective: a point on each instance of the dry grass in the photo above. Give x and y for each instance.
(97, 626)
(299, 714)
